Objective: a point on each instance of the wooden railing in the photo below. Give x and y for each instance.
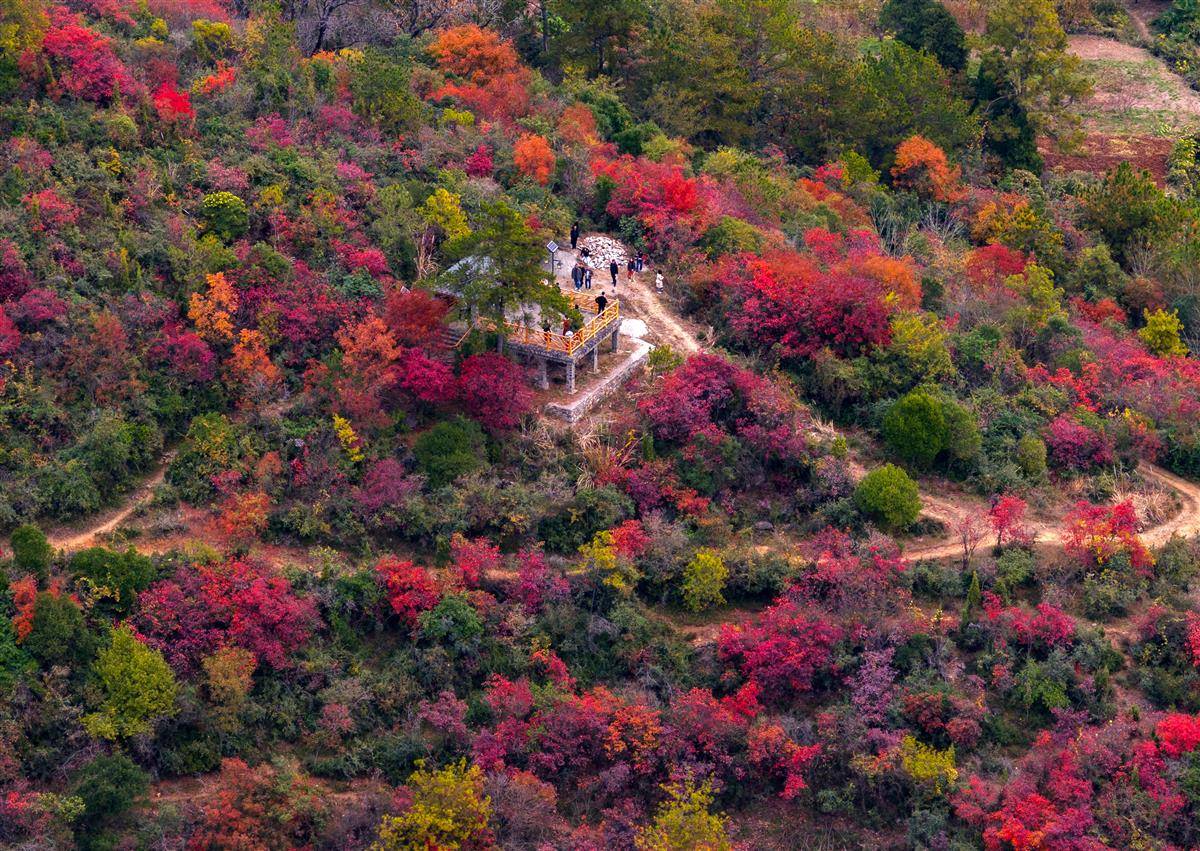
(552, 340)
(556, 342)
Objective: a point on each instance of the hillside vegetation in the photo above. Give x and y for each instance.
(889, 548)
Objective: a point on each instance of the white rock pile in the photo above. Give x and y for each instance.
(604, 250)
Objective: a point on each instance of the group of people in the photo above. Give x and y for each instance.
(581, 273)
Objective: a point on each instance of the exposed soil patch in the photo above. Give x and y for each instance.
(1132, 85)
(1099, 154)
(1138, 106)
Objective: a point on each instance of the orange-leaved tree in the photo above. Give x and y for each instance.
(533, 157)
(922, 167)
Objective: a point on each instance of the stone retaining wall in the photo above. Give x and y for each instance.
(577, 408)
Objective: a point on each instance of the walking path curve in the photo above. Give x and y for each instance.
(72, 539)
(651, 307)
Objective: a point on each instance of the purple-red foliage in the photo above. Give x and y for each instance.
(385, 484)
(536, 583)
(240, 602)
(707, 391)
(1075, 446)
(784, 651)
(493, 390)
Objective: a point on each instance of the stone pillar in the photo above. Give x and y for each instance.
(571, 376)
(500, 341)
(543, 378)
(616, 338)
(596, 358)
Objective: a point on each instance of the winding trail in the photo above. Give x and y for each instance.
(70, 539)
(649, 306)
(663, 325)
(1185, 522)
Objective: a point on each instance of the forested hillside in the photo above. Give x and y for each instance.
(888, 542)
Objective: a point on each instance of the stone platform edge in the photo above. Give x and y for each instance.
(577, 408)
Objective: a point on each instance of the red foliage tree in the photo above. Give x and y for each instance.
(787, 301)
(83, 61)
(674, 209)
(1007, 516)
(172, 105)
(845, 575)
(414, 317)
(1044, 628)
(424, 379)
(411, 589)
(474, 53)
(989, 265)
(473, 558)
(493, 390)
(480, 162)
(15, 279)
(708, 395)
(385, 484)
(784, 651)
(494, 80)
(630, 540)
(536, 583)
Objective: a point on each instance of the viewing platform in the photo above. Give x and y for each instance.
(524, 336)
(546, 347)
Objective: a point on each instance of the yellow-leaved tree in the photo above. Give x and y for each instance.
(449, 810)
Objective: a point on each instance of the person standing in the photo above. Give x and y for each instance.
(574, 235)
(577, 276)
(601, 303)
(658, 282)
(631, 267)
(614, 270)
(641, 261)
(587, 278)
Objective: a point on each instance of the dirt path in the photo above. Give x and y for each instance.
(1185, 522)
(647, 305)
(70, 539)
(1143, 14)
(639, 301)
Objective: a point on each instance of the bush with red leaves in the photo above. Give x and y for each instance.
(493, 390)
(1090, 788)
(239, 602)
(1044, 628)
(411, 589)
(784, 651)
(1095, 534)
(1074, 446)
(260, 807)
(708, 392)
